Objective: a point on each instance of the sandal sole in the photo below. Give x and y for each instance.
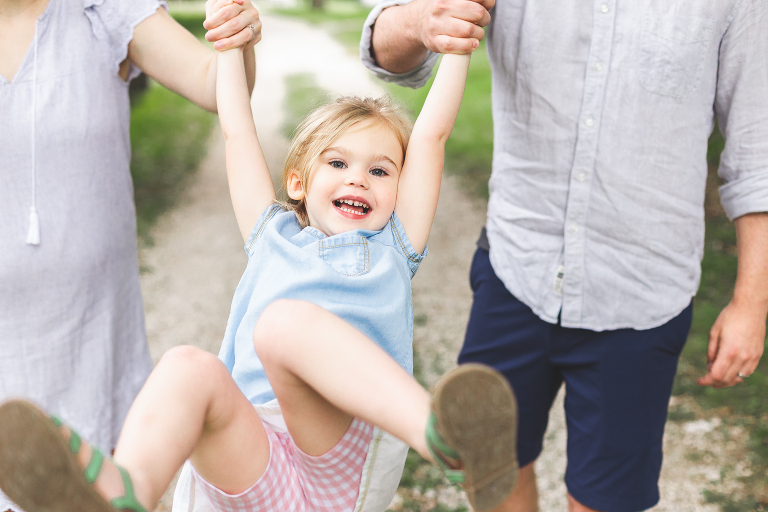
(37, 469)
(476, 414)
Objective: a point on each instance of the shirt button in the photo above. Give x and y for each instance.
(581, 176)
(589, 122)
(574, 228)
(598, 66)
(604, 8)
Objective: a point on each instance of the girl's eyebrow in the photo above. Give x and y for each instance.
(348, 154)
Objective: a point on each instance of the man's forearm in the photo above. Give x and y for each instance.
(752, 279)
(396, 44)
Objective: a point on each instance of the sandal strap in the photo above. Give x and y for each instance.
(128, 500)
(75, 442)
(441, 451)
(93, 468)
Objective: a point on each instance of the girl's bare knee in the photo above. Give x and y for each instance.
(189, 360)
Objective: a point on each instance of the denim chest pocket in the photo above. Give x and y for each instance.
(349, 256)
(673, 50)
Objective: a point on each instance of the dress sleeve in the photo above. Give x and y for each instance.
(113, 21)
(742, 110)
(415, 78)
(403, 244)
(268, 214)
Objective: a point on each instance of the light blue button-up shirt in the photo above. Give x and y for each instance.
(601, 114)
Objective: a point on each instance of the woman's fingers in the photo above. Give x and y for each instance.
(234, 24)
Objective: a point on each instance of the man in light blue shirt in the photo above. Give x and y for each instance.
(595, 224)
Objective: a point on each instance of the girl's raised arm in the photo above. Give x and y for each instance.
(419, 184)
(250, 183)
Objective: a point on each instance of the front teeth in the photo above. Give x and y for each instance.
(353, 203)
(351, 211)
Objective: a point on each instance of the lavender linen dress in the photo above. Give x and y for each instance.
(72, 333)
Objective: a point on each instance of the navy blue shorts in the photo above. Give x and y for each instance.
(617, 383)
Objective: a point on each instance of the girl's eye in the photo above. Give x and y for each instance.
(378, 171)
(338, 164)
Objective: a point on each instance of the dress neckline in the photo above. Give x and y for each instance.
(30, 47)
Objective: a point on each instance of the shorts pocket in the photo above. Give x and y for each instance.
(673, 51)
(348, 256)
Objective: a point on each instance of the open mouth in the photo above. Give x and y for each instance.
(352, 206)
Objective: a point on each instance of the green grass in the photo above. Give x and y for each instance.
(168, 140)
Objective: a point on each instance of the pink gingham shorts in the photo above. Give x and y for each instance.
(296, 481)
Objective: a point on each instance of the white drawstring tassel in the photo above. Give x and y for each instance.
(33, 235)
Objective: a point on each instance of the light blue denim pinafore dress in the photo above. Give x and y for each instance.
(363, 277)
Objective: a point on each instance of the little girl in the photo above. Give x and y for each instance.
(321, 324)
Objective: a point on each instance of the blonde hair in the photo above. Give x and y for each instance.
(325, 124)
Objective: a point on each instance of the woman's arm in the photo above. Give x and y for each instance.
(419, 185)
(167, 52)
(250, 183)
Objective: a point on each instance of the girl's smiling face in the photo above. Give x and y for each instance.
(353, 183)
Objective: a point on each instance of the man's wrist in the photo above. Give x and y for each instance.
(396, 43)
(755, 303)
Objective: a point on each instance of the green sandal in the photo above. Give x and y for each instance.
(474, 425)
(39, 469)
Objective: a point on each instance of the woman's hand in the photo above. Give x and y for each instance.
(232, 24)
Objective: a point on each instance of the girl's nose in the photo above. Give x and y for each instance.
(357, 178)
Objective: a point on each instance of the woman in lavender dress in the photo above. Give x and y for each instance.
(71, 321)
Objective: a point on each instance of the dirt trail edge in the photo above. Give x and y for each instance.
(191, 273)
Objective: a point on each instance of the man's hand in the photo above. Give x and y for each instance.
(736, 341)
(451, 26)
(403, 34)
(735, 345)
(229, 24)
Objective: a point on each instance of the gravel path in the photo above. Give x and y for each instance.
(191, 273)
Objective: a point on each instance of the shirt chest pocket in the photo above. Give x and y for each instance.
(349, 256)
(673, 50)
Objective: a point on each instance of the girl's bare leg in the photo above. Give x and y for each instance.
(324, 372)
(189, 408)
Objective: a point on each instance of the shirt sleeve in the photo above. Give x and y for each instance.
(415, 78)
(741, 105)
(113, 22)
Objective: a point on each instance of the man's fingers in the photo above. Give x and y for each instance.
(472, 12)
(714, 344)
(487, 4)
(440, 12)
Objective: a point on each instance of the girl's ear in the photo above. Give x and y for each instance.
(293, 186)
